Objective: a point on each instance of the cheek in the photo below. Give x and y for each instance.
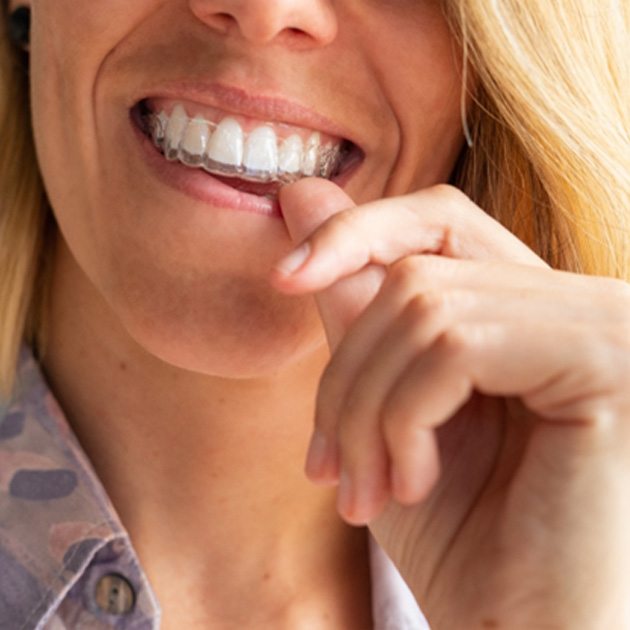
(70, 40)
(188, 285)
(422, 78)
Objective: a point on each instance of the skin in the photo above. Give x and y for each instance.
(474, 404)
(189, 379)
(474, 411)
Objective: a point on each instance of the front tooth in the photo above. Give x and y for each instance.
(309, 159)
(226, 144)
(290, 155)
(261, 152)
(194, 142)
(175, 131)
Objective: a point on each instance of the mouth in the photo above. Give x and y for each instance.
(253, 156)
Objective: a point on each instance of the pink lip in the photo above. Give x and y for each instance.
(200, 185)
(239, 101)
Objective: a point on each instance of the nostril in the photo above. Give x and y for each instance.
(226, 17)
(301, 24)
(220, 21)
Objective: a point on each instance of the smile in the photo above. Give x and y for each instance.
(245, 149)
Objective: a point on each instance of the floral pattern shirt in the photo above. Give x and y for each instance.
(66, 560)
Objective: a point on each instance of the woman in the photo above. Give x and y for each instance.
(448, 301)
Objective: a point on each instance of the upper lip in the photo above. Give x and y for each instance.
(237, 100)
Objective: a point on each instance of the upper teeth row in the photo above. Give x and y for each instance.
(225, 149)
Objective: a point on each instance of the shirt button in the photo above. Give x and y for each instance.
(114, 594)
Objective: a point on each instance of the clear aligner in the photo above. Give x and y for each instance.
(224, 149)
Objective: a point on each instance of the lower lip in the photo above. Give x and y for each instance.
(200, 185)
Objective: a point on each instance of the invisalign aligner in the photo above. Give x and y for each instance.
(323, 160)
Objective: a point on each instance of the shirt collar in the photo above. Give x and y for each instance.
(56, 519)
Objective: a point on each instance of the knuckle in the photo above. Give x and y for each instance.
(347, 231)
(335, 227)
(601, 360)
(448, 194)
(346, 221)
(403, 273)
(428, 305)
(398, 425)
(412, 272)
(455, 341)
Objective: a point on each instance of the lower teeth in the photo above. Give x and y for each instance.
(325, 161)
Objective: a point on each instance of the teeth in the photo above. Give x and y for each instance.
(290, 155)
(159, 129)
(194, 142)
(174, 132)
(224, 149)
(261, 152)
(309, 158)
(226, 145)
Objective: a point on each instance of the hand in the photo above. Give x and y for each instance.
(475, 410)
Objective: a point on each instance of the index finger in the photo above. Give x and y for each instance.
(440, 220)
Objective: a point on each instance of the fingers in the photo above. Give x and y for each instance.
(439, 220)
(401, 407)
(309, 203)
(420, 297)
(471, 356)
(364, 482)
(306, 205)
(367, 364)
(414, 335)
(340, 304)
(413, 359)
(349, 408)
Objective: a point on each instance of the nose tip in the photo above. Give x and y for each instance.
(310, 22)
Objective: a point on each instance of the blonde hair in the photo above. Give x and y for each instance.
(551, 125)
(550, 159)
(24, 218)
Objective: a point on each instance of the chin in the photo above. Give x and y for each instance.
(242, 359)
(242, 338)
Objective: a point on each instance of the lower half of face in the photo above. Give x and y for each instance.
(164, 131)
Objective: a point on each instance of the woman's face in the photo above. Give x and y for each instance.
(180, 258)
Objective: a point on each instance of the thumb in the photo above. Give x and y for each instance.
(306, 205)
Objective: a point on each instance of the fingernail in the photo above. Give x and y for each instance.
(356, 499)
(291, 263)
(318, 453)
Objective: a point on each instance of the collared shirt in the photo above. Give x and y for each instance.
(66, 560)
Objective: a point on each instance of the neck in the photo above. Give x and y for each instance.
(200, 468)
